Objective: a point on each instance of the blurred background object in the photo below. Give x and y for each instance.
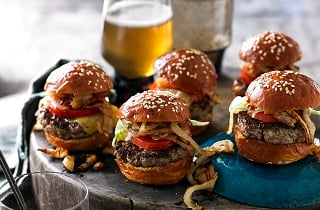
(35, 35)
(204, 25)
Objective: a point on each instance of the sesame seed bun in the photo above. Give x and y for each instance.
(270, 49)
(278, 91)
(159, 175)
(67, 101)
(188, 70)
(263, 152)
(78, 77)
(154, 106)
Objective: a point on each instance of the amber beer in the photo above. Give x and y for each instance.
(134, 34)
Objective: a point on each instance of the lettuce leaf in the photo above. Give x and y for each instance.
(120, 133)
(315, 112)
(198, 123)
(238, 104)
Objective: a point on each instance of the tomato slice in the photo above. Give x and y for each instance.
(148, 143)
(72, 113)
(153, 86)
(160, 83)
(246, 78)
(198, 97)
(264, 117)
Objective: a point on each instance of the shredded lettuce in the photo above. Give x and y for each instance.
(238, 104)
(315, 112)
(120, 133)
(198, 123)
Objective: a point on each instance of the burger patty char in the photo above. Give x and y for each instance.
(276, 133)
(61, 126)
(137, 156)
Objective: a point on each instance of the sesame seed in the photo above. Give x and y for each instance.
(281, 81)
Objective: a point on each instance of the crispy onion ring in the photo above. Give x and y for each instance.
(206, 185)
(204, 177)
(218, 147)
(185, 136)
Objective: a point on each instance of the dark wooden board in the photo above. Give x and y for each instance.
(110, 190)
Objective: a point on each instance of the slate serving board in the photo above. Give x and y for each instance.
(110, 190)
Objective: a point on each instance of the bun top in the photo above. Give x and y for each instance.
(270, 49)
(154, 106)
(188, 70)
(78, 77)
(278, 91)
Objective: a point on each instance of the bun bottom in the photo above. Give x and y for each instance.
(263, 152)
(87, 144)
(159, 175)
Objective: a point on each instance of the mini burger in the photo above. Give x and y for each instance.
(75, 113)
(264, 52)
(273, 119)
(190, 74)
(152, 138)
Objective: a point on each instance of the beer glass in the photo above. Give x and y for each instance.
(135, 32)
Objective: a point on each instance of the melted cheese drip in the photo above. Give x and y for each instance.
(89, 124)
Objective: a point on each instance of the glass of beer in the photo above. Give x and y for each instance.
(135, 33)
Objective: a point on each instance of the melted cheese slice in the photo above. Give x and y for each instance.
(89, 123)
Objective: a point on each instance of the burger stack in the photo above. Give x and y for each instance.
(75, 114)
(189, 74)
(264, 52)
(153, 143)
(273, 102)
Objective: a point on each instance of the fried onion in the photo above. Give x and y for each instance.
(208, 184)
(107, 123)
(309, 124)
(295, 115)
(202, 176)
(185, 136)
(58, 152)
(204, 158)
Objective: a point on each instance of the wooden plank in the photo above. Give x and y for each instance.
(110, 190)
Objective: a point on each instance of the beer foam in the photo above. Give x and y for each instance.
(138, 13)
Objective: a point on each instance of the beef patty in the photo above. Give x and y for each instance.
(276, 133)
(60, 126)
(137, 156)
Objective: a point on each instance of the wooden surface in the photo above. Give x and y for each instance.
(109, 188)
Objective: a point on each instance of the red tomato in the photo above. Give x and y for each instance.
(148, 143)
(198, 97)
(153, 86)
(264, 117)
(160, 83)
(72, 113)
(246, 78)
